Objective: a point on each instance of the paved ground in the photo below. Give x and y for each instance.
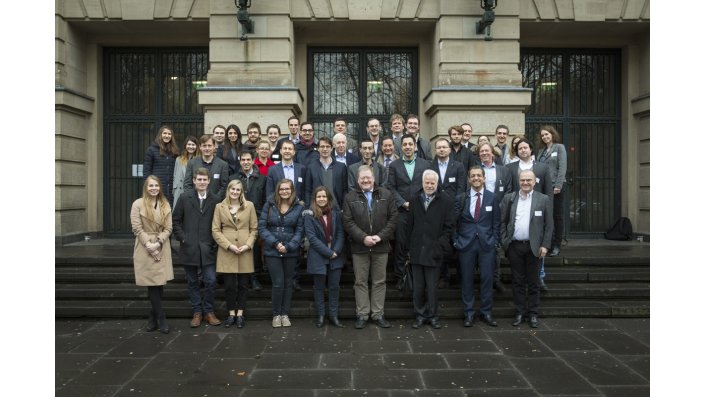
(563, 357)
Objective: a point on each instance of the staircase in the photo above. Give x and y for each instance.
(591, 278)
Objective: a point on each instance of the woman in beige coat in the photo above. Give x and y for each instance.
(235, 231)
(151, 223)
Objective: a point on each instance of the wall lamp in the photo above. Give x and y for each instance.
(483, 25)
(248, 25)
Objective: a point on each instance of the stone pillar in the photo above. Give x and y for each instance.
(250, 80)
(478, 81)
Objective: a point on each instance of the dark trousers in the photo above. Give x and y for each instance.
(236, 290)
(425, 292)
(468, 260)
(194, 290)
(497, 271)
(257, 253)
(319, 286)
(558, 218)
(281, 271)
(401, 253)
(525, 275)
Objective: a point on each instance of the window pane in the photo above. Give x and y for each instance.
(389, 83)
(336, 78)
(543, 73)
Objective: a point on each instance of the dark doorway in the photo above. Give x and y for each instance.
(578, 91)
(144, 89)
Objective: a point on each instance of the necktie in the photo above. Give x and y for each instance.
(386, 163)
(369, 200)
(477, 206)
(427, 201)
(200, 204)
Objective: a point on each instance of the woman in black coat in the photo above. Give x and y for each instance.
(281, 228)
(323, 226)
(160, 159)
(231, 148)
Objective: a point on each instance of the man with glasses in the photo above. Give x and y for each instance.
(306, 148)
(253, 136)
(326, 172)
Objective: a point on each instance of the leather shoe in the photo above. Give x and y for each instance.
(518, 319)
(555, 251)
(534, 321)
(469, 320)
(418, 322)
(230, 321)
(499, 287)
(334, 320)
(151, 322)
(360, 322)
(297, 286)
(435, 324)
(319, 322)
(211, 319)
(240, 321)
(256, 284)
(161, 321)
(443, 283)
(196, 320)
(382, 323)
(487, 319)
(542, 285)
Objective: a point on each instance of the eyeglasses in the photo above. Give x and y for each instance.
(306, 130)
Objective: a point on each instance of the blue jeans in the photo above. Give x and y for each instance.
(194, 291)
(281, 271)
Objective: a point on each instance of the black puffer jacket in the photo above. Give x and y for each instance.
(162, 167)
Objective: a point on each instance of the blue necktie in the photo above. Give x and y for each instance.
(369, 200)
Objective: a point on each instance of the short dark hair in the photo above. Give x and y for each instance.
(367, 139)
(293, 118)
(408, 136)
(325, 139)
(302, 124)
(205, 138)
(246, 152)
(254, 124)
(531, 147)
(501, 126)
(476, 167)
(439, 140)
(340, 119)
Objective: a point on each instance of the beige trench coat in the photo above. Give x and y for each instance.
(226, 232)
(149, 272)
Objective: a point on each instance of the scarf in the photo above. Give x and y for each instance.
(305, 142)
(327, 222)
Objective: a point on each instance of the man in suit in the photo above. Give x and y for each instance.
(498, 180)
(326, 172)
(396, 125)
(342, 154)
(193, 223)
(386, 156)
(544, 184)
(458, 151)
(429, 233)
(405, 182)
(526, 231)
(476, 240)
(467, 135)
(218, 170)
(413, 128)
(287, 169)
(453, 180)
(373, 132)
(501, 134)
(366, 151)
(306, 148)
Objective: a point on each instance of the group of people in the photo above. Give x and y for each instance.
(240, 206)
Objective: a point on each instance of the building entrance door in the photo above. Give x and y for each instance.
(578, 91)
(359, 83)
(144, 89)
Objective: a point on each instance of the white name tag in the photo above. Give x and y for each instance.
(301, 180)
(488, 208)
(216, 176)
(501, 188)
(554, 154)
(275, 156)
(538, 180)
(538, 213)
(452, 179)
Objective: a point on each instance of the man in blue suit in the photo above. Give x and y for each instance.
(477, 236)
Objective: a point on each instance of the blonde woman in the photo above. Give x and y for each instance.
(151, 223)
(235, 232)
(190, 151)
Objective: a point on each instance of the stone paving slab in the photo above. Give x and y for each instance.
(563, 357)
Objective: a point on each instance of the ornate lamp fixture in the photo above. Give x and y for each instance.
(248, 26)
(483, 25)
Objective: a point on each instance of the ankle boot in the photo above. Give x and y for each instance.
(151, 322)
(161, 321)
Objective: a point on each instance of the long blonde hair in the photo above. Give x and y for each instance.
(241, 200)
(185, 156)
(164, 208)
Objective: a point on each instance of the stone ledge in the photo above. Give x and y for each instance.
(73, 101)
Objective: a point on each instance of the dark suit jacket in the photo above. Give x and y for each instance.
(193, 229)
(218, 174)
(377, 170)
(399, 183)
(544, 184)
(430, 231)
(314, 179)
(276, 173)
(455, 181)
(503, 183)
(350, 157)
(464, 156)
(254, 186)
(483, 231)
(540, 223)
(423, 149)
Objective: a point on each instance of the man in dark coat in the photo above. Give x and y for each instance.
(326, 172)
(193, 220)
(429, 233)
(218, 169)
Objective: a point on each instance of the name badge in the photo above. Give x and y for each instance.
(538, 213)
(301, 180)
(275, 156)
(451, 179)
(538, 180)
(216, 176)
(554, 154)
(488, 208)
(501, 188)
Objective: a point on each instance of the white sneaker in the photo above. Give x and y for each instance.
(285, 321)
(277, 321)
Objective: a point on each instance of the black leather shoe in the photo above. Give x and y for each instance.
(334, 320)
(382, 323)
(161, 322)
(542, 285)
(297, 286)
(240, 321)
(499, 287)
(487, 319)
(360, 323)
(229, 322)
(518, 319)
(469, 320)
(555, 251)
(534, 321)
(319, 321)
(256, 284)
(151, 322)
(435, 324)
(418, 323)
